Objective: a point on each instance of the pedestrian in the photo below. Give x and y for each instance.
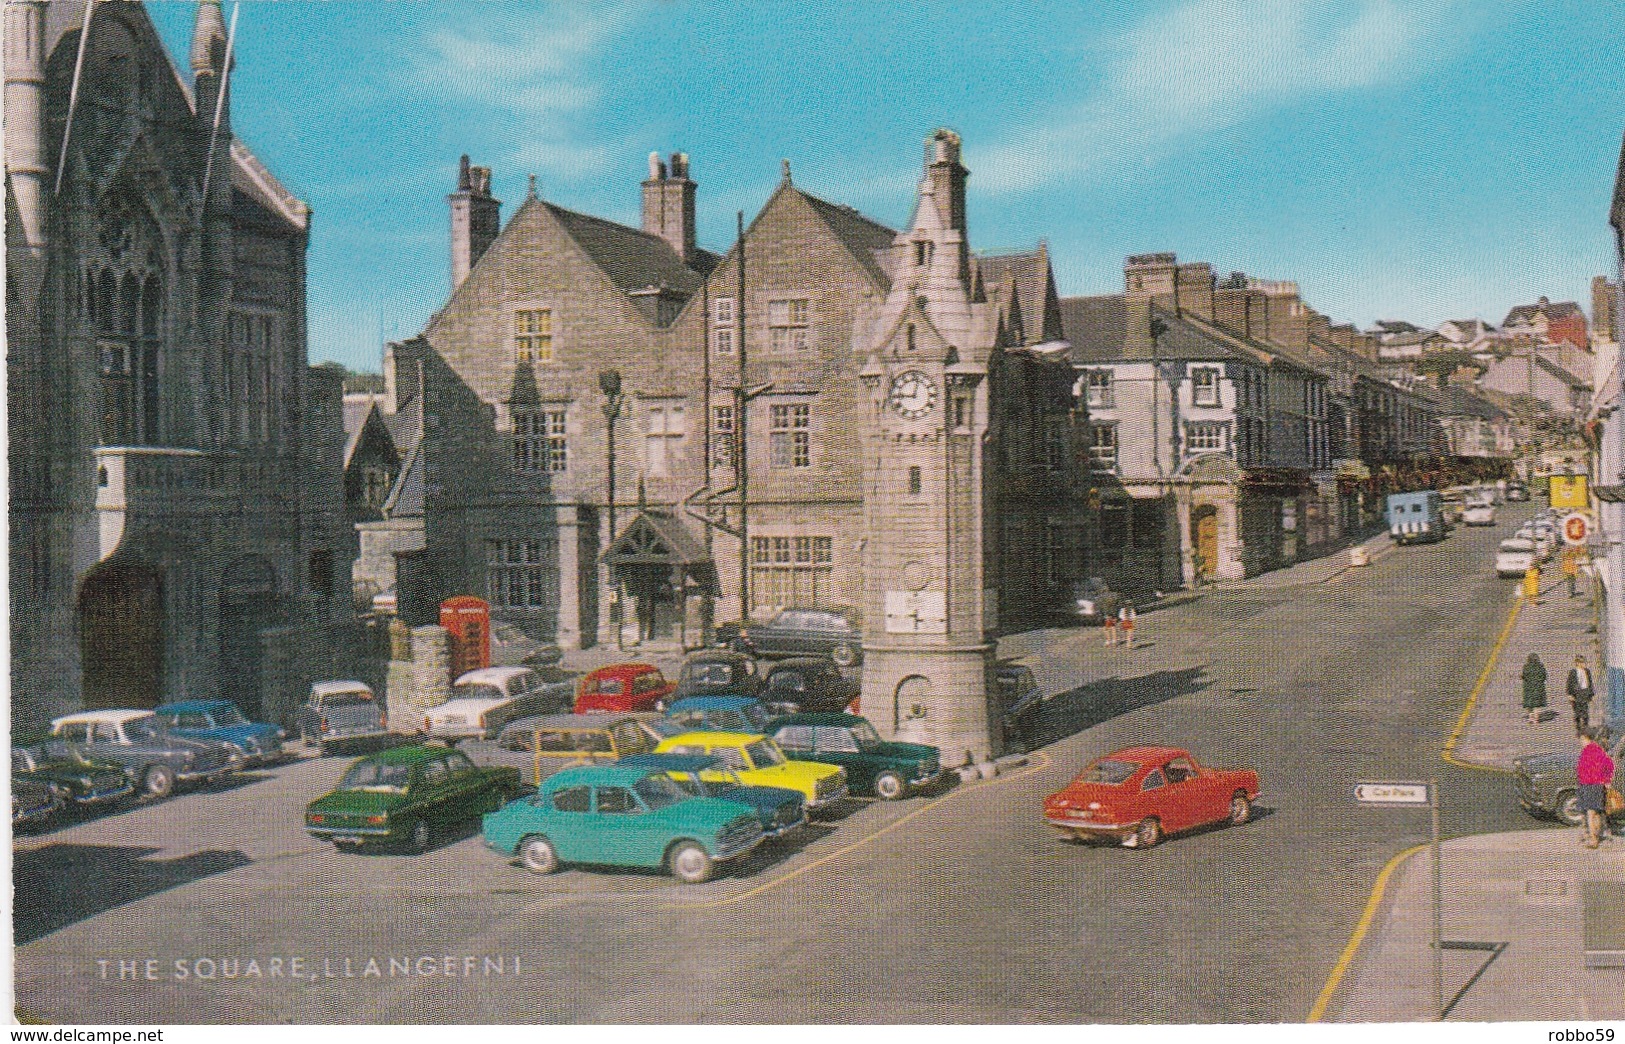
(1594, 772)
(1534, 688)
(1580, 693)
(1571, 570)
(1110, 623)
(1125, 620)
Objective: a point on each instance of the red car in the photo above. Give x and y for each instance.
(1139, 794)
(624, 688)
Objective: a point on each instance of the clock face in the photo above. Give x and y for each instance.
(913, 394)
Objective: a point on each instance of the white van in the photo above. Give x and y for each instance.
(483, 701)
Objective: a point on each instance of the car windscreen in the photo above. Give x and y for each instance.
(225, 717)
(865, 734)
(659, 790)
(757, 715)
(709, 674)
(1108, 771)
(477, 691)
(141, 730)
(378, 778)
(764, 754)
(347, 698)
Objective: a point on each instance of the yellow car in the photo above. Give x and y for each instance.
(759, 762)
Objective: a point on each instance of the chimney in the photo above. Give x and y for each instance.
(1233, 305)
(1320, 327)
(476, 218)
(1151, 276)
(668, 204)
(1193, 289)
(1137, 340)
(1286, 317)
(1344, 336)
(1602, 308)
(947, 177)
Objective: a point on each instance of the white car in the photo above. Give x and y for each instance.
(1479, 515)
(1515, 557)
(483, 701)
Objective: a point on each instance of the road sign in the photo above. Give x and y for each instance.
(1569, 491)
(1576, 527)
(1393, 794)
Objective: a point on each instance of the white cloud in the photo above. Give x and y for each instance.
(1210, 64)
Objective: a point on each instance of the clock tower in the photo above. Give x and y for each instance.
(927, 607)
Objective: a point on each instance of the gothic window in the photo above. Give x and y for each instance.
(787, 324)
(106, 301)
(663, 438)
(722, 436)
(723, 328)
(540, 442)
(533, 336)
(790, 435)
(519, 574)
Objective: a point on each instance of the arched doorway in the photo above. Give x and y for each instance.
(121, 636)
(1205, 541)
(908, 702)
(248, 605)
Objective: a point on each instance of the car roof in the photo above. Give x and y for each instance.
(114, 716)
(715, 656)
(720, 702)
(492, 674)
(597, 775)
(824, 718)
(323, 688)
(411, 755)
(621, 670)
(714, 739)
(193, 706)
(800, 661)
(598, 722)
(671, 762)
(1148, 755)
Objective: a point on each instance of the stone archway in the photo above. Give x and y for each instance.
(249, 603)
(121, 636)
(911, 692)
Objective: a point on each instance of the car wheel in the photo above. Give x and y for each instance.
(537, 855)
(1149, 833)
(1241, 809)
(1567, 808)
(889, 786)
(690, 863)
(420, 836)
(158, 781)
(844, 655)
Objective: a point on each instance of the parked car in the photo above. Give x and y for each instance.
(1546, 785)
(1517, 492)
(1138, 795)
(405, 794)
(137, 741)
(832, 632)
(760, 762)
(623, 688)
(809, 684)
(780, 809)
(221, 720)
(720, 714)
(538, 747)
(716, 672)
(874, 767)
(1515, 557)
(340, 712)
(62, 766)
(612, 815)
(1093, 602)
(1479, 515)
(34, 801)
(483, 701)
(1020, 703)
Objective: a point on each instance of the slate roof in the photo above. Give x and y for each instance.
(632, 258)
(1029, 272)
(1551, 309)
(406, 499)
(1097, 329)
(869, 240)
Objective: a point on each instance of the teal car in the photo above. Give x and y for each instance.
(873, 766)
(612, 815)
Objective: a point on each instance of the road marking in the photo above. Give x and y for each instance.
(1353, 947)
(1040, 761)
(1449, 752)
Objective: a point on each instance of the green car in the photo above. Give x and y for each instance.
(405, 795)
(613, 815)
(873, 766)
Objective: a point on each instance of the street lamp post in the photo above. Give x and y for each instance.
(609, 382)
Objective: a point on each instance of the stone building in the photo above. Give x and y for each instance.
(568, 327)
(177, 522)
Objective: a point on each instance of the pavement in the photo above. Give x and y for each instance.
(1330, 566)
(1515, 905)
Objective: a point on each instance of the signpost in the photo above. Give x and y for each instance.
(1569, 491)
(1576, 527)
(1385, 794)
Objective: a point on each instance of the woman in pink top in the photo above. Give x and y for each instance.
(1594, 771)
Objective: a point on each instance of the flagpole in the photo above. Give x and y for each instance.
(220, 102)
(73, 92)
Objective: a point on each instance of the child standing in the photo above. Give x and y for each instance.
(1110, 624)
(1125, 620)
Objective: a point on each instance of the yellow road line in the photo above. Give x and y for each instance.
(1040, 761)
(1449, 752)
(1353, 947)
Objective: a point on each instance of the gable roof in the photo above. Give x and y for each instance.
(1616, 213)
(1028, 274)
(868, 240)
(632, 258)
(1459, 402)
(1521, 314)
(1097, 329)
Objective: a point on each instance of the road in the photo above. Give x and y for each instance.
(959, 908)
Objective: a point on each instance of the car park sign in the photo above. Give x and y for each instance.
(1373, 793)
(1576, 527)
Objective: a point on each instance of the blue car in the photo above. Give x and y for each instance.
(720, 714)
(780, 809)
(221, 721)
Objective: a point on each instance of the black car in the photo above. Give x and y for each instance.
(34, 801)
(718, 672)
(833, 632)
(65, 768)
(1020, 703)
(810, 684)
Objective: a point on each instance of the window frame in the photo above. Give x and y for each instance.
(790, 435)
(1204, 394)
(534, 336)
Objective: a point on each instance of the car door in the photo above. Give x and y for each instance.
(834, 745)
(787, 634)
(629, 829)
(1152, 800)
(478, 791)
(432, 795)
(1185, 796)
(569, 825)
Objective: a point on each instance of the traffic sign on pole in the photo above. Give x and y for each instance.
(1392, 793)
(1576, 527)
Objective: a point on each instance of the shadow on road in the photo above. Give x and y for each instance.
(61, 884)
(1070, 712)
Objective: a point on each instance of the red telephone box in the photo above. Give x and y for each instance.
(469, 621)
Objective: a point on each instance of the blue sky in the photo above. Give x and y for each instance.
(1422, 159)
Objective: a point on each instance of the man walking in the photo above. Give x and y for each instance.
(1594, 772)
(1581, 691)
